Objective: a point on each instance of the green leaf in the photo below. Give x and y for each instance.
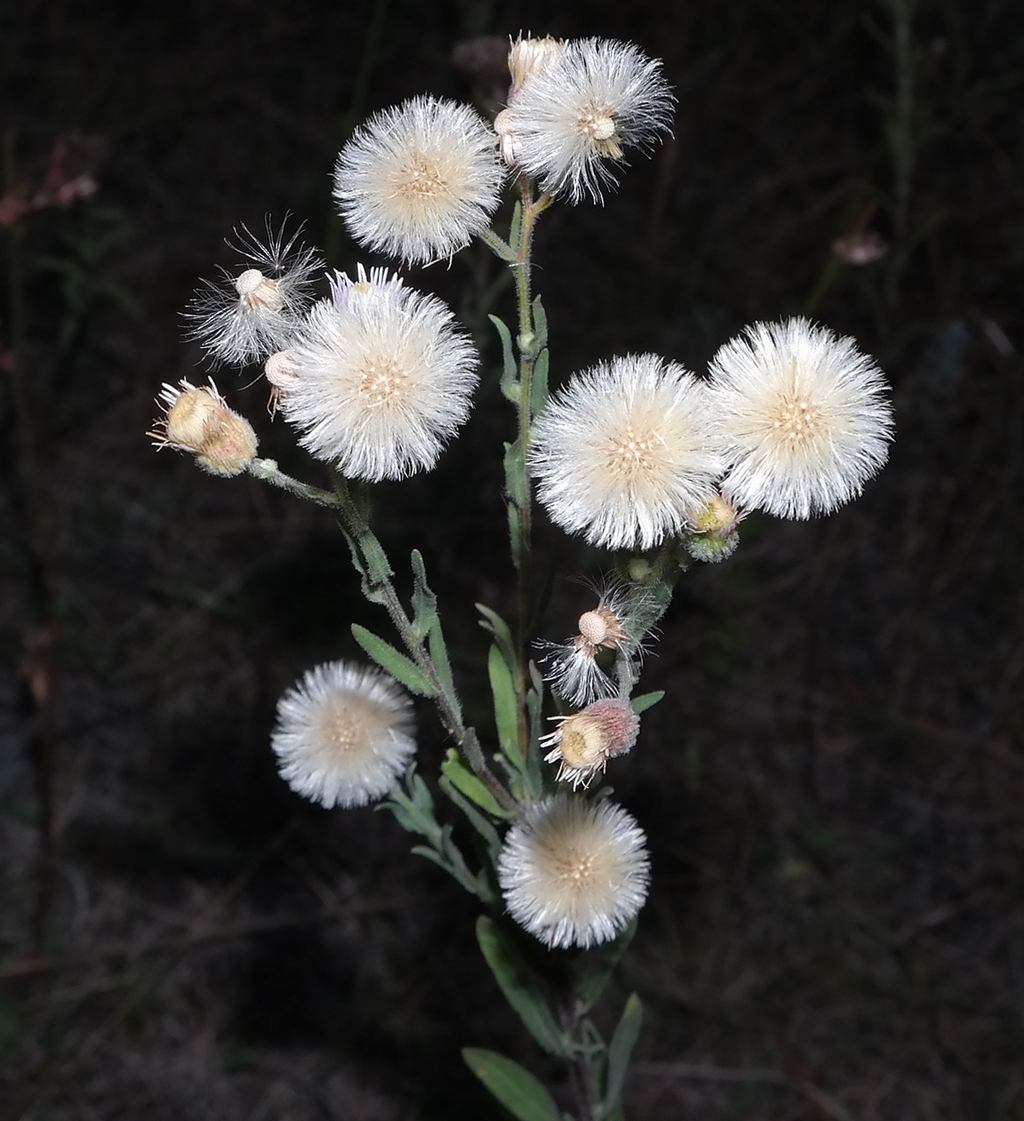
(509, 369)
(468, 784)
(506, 710)
(540, 323)
(539, 384)
(516, 484)
(424, 602)
(516, 227)
(515, 537)
(486, 831)
(388, 658)
(646, 701)
(439, 656)
(518, 987)
(593, 970)
(620, 1049)
(516, 1088)
(497, 626)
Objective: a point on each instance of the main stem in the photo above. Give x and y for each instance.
(526, 341)
(359, 528)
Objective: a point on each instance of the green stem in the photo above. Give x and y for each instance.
(359, 529)
(268, 471)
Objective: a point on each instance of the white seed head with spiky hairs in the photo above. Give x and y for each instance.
(249, 315)
(384, 378)
(802, 416)
(570, 122)
(622, 454)
(417, 181)
(573, 872)
(344, 734)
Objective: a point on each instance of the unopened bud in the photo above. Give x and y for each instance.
(529, 56)
(713, 537)
(198, 421)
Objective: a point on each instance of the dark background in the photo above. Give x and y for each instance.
(833, 787)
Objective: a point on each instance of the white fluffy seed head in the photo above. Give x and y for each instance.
(417, 181)
(384, 380)
(802, 417)
(570, 121)
(246, 316)
(574, 873)
(623, 453)
(344, 734)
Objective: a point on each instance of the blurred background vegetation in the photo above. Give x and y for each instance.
(834, 785)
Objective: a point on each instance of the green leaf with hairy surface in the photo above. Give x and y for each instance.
(515, 229)
(516, 484)
(515, 1087)
(388, 658)
(486, 831)
(620, 1050)
(646, 701)
(497, 626)
(540, 323)
(468, 784)
(506, 711)
(520, 988)
(539, 384)
(424, 602)
(509, 370)
(439, 656)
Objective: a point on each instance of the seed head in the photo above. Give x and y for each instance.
(801, 416)
(417, 181)
(344, 734)
(574, 873)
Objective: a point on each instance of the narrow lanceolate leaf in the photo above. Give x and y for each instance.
(539, 384)
(388, 658)
(424, 602)
(646, 701)
(506, 712)
(516, 1088)
(519, 987)
(469, 785)
(439, 656)
(620, 1049)
(540, 323)
(485, 830)
(494, 623)
(509, 370)
(516, 483)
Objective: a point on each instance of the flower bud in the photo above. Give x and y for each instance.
(713, 536)
(197, 420)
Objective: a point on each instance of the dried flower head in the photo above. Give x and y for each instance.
(384, 379)
(344, 734)
(623, 454)
(417, 181)
(574, 873)
(197, 420)
(575, 113)
(585, 741)
(576, 668)
(250, 314)
(802, 416)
